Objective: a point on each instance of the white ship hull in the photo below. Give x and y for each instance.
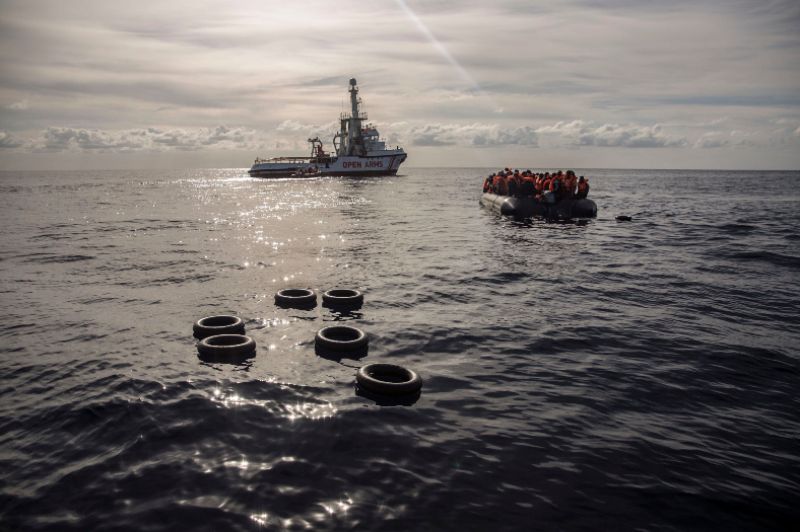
(348, 165)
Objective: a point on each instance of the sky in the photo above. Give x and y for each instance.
(88, 84)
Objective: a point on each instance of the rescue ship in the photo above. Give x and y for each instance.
(358, 151)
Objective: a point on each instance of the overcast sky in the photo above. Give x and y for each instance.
(549, 83)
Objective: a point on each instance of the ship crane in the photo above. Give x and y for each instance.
(316, 148)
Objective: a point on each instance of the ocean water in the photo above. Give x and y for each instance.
(607, 376)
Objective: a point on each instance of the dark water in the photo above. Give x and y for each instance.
(612, 376)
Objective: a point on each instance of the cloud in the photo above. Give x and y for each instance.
(294, 126)
(765, 99)
(63, 139)
(580, 133)
(471, 135)
(226, 134)
(56, 139)
(179, 139)
(431, 136)
(291, 135)
(786, 135)
(499, 136)
(19, 106)
(711, 140)
(734, 138)
(7, 141)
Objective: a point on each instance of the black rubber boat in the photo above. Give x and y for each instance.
(529, 207)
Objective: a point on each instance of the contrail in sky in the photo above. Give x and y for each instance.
(445, 53)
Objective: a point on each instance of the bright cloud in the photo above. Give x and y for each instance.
(480, 135)
(19, 106)
(7, 141)
(580, 133)
(62, 139)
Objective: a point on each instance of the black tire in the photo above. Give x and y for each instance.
(343, 298)
(226, 346)
(213, 325)
(296, 297)
(388, 379)
(341, 338)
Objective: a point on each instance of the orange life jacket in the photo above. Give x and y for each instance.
(569, 185)
(502, 187)
(527, 186)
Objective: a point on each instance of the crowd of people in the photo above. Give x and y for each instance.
(546, 187)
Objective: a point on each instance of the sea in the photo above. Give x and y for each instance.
(600, 375)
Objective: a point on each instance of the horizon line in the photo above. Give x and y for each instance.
(245, 168)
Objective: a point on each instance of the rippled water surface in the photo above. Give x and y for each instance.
(607, 376)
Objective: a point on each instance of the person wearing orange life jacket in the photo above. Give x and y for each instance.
(546, 182)
(539, 182)
(555, 183)
(511, 186)
(528, 186)
(560, 188)
(583, 188)
(543, 185)
(520, 183)
(501, 185)
(548, 196)
(560, 184)
(514, 184)
(569, 184)
(487, 183)
(496, 182)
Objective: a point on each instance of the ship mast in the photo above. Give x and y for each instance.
(350, 126)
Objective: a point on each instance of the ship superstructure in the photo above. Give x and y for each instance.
(358, 150)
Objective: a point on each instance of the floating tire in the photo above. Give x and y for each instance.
(388, 379)
(213, 325)
(343, 298)
(341, 338)
(296, 297)
(226, 347)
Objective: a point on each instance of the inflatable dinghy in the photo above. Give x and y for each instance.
(529, 207)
